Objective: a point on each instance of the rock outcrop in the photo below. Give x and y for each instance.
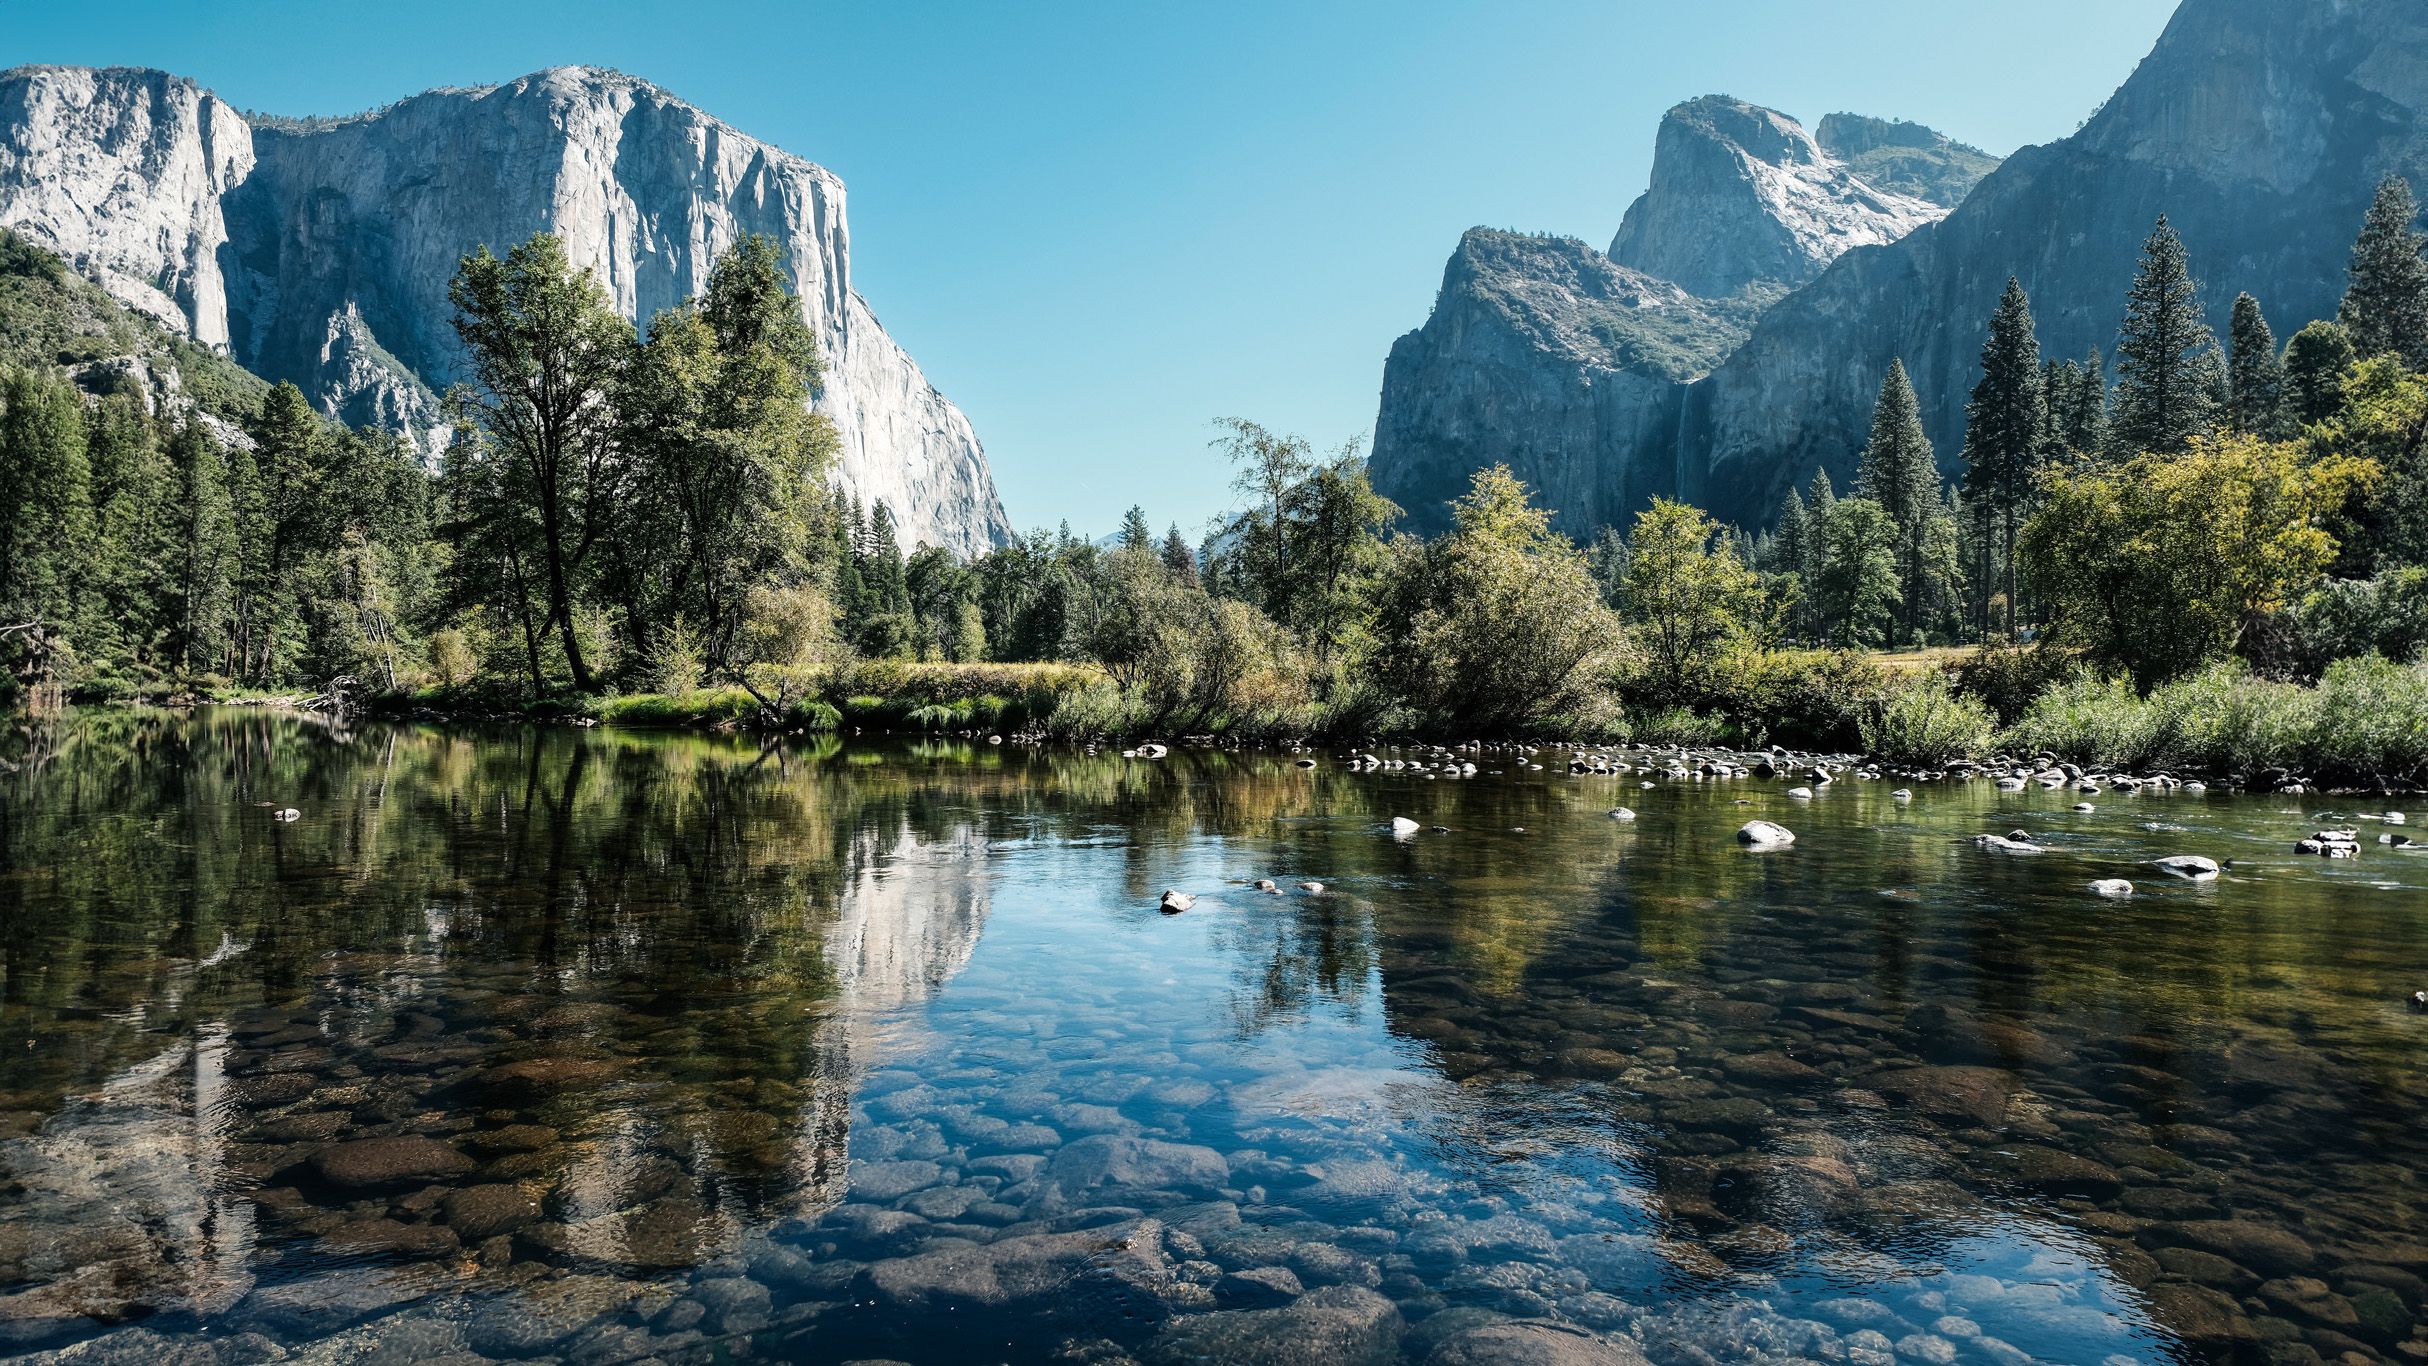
(1575, 367)
(319, 251)
(1743, 195)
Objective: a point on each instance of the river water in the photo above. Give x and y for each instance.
(547, 1044)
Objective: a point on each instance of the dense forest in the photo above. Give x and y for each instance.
(638, 522)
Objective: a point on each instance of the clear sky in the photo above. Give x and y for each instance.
(1101, 225)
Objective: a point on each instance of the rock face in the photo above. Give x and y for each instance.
(1742, 195)
(1576, 367)
(320, 252)
(1544, 353)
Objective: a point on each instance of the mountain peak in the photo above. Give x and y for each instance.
(1742, 196)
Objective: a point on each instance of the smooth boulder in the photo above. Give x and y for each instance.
(1765, 835)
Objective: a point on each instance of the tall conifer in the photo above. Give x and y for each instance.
(2165, 355)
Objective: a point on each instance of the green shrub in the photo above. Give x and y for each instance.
(2372, 721)
(2224, 720)
(705, 706)
(2008, 678)
(1924, 720)
(1681, 726)
(2093, 721)
(934, 717)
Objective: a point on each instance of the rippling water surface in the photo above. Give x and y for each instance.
(592, 1047)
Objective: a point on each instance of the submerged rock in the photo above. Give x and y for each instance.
(2193, 866)
(2112, 887)
(1340, 1325)
(386, 1163)
(1532, 1342)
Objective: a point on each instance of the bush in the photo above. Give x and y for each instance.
(1924, 720)
(2372, 721)
(1813, 699)
(2009, 678)
(2091, 721)
(1681, 726)
(2225, 720)
(699, 707)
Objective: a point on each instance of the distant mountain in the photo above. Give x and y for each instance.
(1573, 366)
(319, 251)
(2259, 127)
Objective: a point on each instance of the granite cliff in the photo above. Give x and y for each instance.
(319, 251)
(1575, 366)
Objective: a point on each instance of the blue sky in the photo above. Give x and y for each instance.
(1099, 226)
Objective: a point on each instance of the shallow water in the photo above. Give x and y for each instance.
(593, 1047)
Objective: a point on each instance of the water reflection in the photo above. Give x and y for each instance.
(609, 1047)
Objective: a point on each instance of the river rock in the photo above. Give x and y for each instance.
(2007, 844)
(1532, 1342)
(1034, 1269)
(1765, 835)
(389, 1163)
(2193, 866)
(1977, 1095)
(2265, 1248)
(1116, 1162)
(479, 1212)
(1340, 1325)
(1258, 1287)
(2112, 887)
(389, 1238)
(1174, 903)
(1404, 827)
(735, 1304)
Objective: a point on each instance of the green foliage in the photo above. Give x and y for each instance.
(2160, 564)
(2366, 721)
(1859, 587)
(2166, 357)
(2318, 367)
(1498, 624)
(2007, 428)
(1924, 720)
(2385, 306)
(1685, 593)
(2009, 677)
(2386, 615)
(2256, 373)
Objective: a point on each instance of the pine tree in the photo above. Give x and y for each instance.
(2078, 426)
(1135, 534)
(2257, 385)
(1822, 509)
(2006, 427)
(132, 533)
(2165, 363)
(1179, 558)
(205, 550)
(1791, 549)
(1901, 473)
(2386, 305)
(46, 510)
(2318, 363)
